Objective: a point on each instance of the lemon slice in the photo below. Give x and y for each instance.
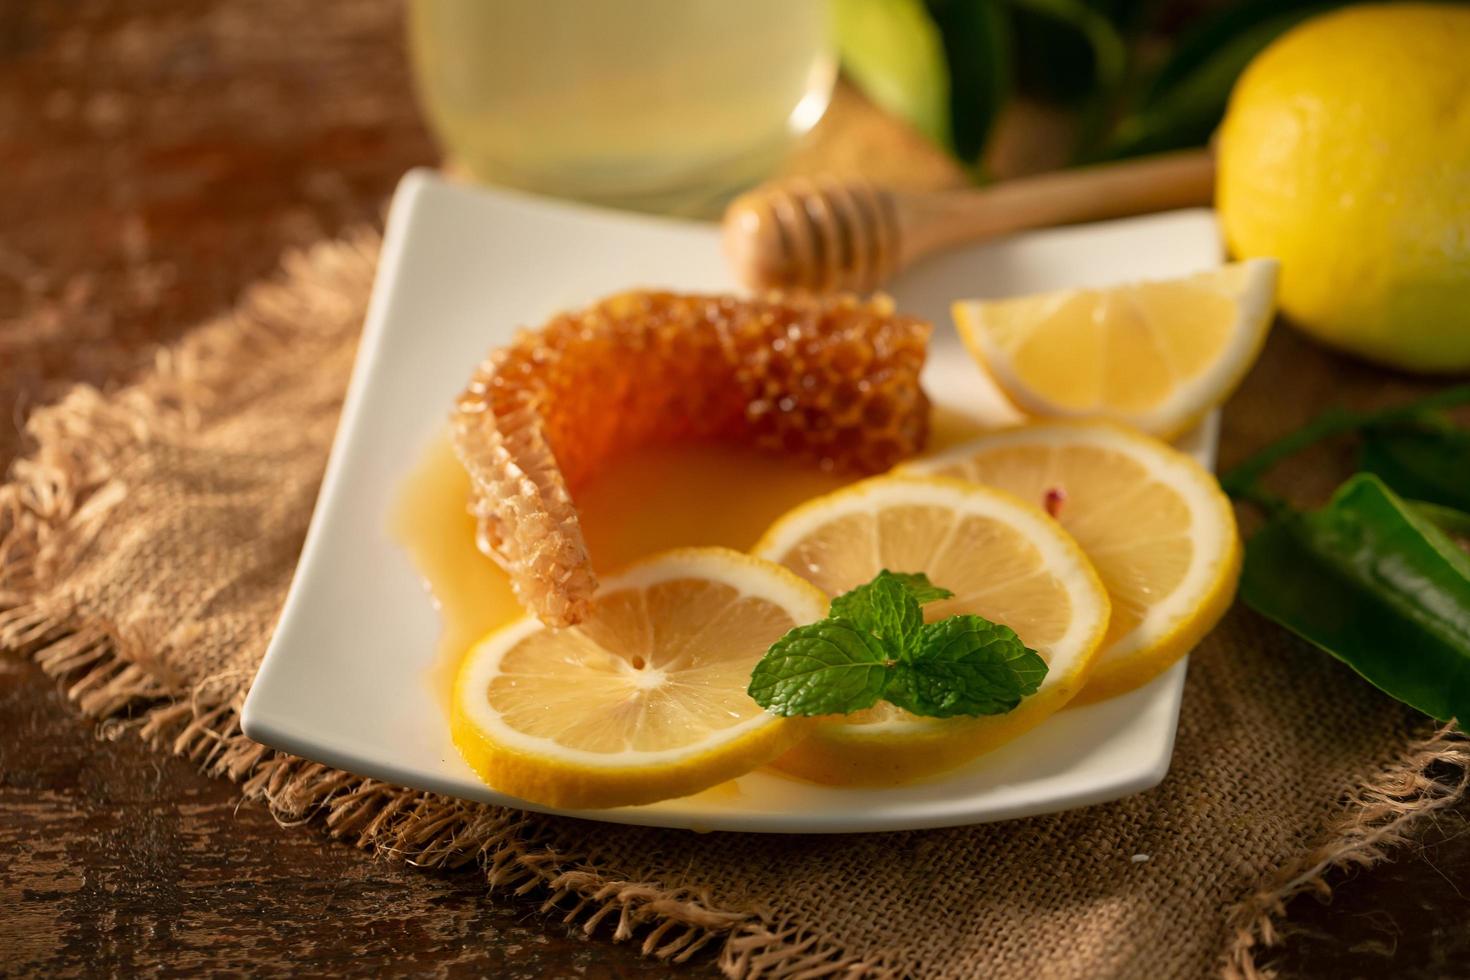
(1003, 559)
(1154, 523)
(1157, 355)
(645, 699)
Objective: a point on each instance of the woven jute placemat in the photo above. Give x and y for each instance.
(148, 536)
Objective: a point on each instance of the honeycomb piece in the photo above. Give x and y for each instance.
(834, 381)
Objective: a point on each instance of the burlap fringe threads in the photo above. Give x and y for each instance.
(58, 495)
(53, 499)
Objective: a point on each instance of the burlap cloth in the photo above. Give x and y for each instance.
(147, 540)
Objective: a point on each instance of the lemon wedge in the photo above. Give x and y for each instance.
(1003, 559)
(1154, 523)
(644, 700)
(1156, 355)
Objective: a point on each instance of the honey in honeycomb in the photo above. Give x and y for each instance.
(832, 380)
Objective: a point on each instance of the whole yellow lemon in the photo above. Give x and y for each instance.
(1345, 153)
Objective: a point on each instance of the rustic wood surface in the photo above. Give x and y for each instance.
(157, 157)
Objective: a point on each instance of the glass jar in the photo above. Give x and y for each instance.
(658, 105)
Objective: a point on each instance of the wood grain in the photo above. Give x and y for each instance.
(158, 156)
(118, 861)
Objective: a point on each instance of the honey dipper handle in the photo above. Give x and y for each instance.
(1160, 183)
(827, 233)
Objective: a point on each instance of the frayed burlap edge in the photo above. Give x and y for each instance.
(59, 494)
(1378, 816)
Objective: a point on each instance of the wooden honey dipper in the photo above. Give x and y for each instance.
(829, 233)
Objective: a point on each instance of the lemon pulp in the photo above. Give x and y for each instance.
(1156, 355)
(1152, 521)
(657, 498)
(646, 698)
(1004, 560)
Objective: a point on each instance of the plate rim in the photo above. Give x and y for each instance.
(262, 725)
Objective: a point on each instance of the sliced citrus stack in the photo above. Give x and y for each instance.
(1003, 559)
(645, 699)
(1154, 523)
(1157, 355)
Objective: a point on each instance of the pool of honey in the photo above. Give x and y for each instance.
(651, 500)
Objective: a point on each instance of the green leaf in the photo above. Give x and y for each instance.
(966, 665)
(1075, 49)
(893, 51)
(831, 666)
(1184, 101)
(1243, 481)
(947, 639)
(1371, 581)
(1130, 17)
(1422, 460)
(919, 586)
(976, 35)
(876, 645)
(1454, 523)
(886, 608)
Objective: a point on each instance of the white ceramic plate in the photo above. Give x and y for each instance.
(346, 679)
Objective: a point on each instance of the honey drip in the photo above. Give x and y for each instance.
(832, 382)
(657, 498)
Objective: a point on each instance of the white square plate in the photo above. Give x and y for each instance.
(346, 678)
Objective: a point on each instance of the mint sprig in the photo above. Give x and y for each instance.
(875, 646)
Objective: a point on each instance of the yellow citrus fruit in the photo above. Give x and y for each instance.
(1156, 355)
(1345, 154)
(646, 698)
(1003, 559)
(1153, 522)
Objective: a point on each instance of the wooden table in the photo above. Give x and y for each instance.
(155, 159)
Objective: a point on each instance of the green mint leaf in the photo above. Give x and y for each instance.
(919, 586)
(832, 666)
(886, 608)
(966, 665)
(875, 645)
